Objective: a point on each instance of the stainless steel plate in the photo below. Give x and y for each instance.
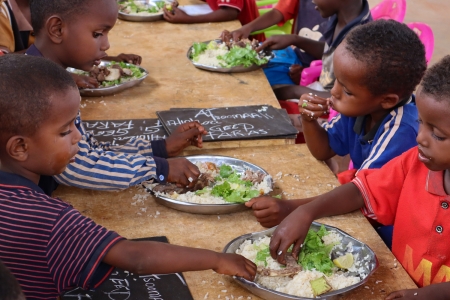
(110, 90)
(238, 69)
(358, 248)
(142, 18)
(212, 209)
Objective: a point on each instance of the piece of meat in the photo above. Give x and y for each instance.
(254, 177)
(168, 188)
(292, 268)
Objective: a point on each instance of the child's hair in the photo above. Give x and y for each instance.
(436, 81)
(41, 10)
(393, 54)
(9, 286)
(27, 85)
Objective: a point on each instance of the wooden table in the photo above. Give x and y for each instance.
(134, 213)
(173, 81)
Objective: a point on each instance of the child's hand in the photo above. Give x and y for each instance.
(235, 265)
(292, 230)
(85, 82)
(311, 106)
(186, 134)
(434, 291)
(175, 15)
(276, 42)
(269, 211)
(239, 34)
(182, 172)
(128, 58)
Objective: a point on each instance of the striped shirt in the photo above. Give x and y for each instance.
(392, 136)
(100, 166)
(47, 244)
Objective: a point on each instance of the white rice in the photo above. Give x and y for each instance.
(298, 285)
(209, 56)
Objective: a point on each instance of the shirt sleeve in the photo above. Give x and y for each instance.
(237, 4)
(381, 188)
(289, 9)
(6, 32)
(337, 134)
(76, 248)
(397, 137)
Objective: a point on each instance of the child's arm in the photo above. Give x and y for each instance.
(223, 14)
(439, 291)
(85, 82)
(293, 229)
(311, 107)
(275, 42)
(272, 17)
(270, 211)
(161, 258)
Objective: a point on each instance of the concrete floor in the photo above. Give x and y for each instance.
(434, 13)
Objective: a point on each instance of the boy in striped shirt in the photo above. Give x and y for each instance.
(75, 34)
(47, 244)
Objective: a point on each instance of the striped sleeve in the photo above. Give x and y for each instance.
(398, 135)
(76, 248)
(381, 189)
(100, 166)
(338, 136)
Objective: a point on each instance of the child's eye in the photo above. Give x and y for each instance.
(97, 34)
(438, 138)
(66, 132)
(347, 93)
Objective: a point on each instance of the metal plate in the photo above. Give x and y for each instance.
(238, 69)
(358, 248)
(110, 90)
(142, 18)
(212, 209)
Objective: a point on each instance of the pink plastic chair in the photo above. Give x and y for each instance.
(426, 35)
(389, 9)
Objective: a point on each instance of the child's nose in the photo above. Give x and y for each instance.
(105, 45)
(335, 90)
(420, 139)
(77, 136)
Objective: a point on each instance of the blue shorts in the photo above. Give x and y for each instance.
(277, 70)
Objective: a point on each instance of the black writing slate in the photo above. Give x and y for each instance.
(122, 285)
(119, 132)
(232, 123)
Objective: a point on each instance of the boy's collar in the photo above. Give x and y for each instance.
(435, 183)
(360, 121)
(17, 181)
(33, 51)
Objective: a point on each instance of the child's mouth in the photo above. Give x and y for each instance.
(422, 157)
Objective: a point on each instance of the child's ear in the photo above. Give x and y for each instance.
(17, 148)
(389, 101)
(54, 27)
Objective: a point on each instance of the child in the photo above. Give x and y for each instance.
(79, 38)
(308, 23)
(16, 33)
(244, 10)
(374, 96)
(411, 191)
(43, 238)
(9, 287)
(343, 15)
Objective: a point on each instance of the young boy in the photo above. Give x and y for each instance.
(48, 245)
(244, 10)
(79, 38)
(411, 191)
(9, 287)
(374, 96)
(343, 15)
(308, 23)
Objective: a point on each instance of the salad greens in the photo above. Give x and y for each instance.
(236, 56)
(232, 188)
(130, 7)
(314, 254)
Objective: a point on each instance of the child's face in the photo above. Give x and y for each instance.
(434, 132)
(348, 95)
(54, 145)
(86, 38)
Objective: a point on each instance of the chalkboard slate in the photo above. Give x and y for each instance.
(118, 132)
(233, 123)
(122, 285)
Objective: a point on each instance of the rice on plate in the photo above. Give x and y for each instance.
(329, 260)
